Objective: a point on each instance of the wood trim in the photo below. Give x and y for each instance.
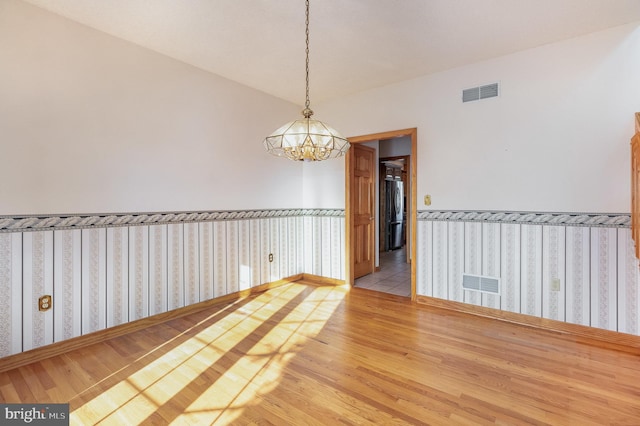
(320, 280)
(414, 209)
(38, 354)
(579, 332)
(383, 135)
(413, 216)
(635, 186)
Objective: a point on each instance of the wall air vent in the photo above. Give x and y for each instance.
(481, 283)
(480, 92)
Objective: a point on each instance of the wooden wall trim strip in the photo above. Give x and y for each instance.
(581, 333)
(320, 280)
(43, 352)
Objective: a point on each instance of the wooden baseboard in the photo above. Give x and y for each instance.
(579, 332)
(18, 360)
(320, 280)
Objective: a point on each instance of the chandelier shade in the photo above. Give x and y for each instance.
(306, 139)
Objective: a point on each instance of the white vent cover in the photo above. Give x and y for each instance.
(481, 283)
(480, 92)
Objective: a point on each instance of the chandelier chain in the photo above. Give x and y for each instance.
(306, 139)
(307, 103)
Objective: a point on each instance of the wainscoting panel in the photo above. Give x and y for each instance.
(578, 278)
(455, 260)
(628, 285)
(576, 268)
(265, 250)
(316, 248)
(439, 275)
(138, 272)
(472, 258)
(283, 247)
(38, 280)
(325, 232)
(117, 276)
(233, 284)
(220, 259)
(301, 252)
(191, 264)
(292, 247)
(510, 268)
(424, 268)
(94, 280)
(531, 270)
(158, 269)
(553, 271)
(67, 284)
(175, 261)
(256, 253)
(307, 244)
(11, 289)
(206, 260)
(604, 271)
(491, 260)
(274, 248)
(244, 255)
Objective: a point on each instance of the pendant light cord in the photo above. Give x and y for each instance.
(307, 102)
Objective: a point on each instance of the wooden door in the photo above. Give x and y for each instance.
(363, 202)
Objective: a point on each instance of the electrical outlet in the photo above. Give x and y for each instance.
(427, 200)
(270, 257)
(45, 303)
(555, 284)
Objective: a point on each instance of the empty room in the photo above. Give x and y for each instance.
(320, 212)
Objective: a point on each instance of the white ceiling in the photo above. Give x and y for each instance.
(355, 44)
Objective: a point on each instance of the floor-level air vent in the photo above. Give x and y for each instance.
(480, 92)
(481, 283)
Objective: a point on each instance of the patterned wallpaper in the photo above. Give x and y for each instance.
(105, 270)
(590, 254)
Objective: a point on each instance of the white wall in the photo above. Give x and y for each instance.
(91, 123)
(557, 139)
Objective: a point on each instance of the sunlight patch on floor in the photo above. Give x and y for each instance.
(257, 370)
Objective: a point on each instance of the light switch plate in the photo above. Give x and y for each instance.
(427, 200)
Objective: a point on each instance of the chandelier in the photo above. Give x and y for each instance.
(306, 139)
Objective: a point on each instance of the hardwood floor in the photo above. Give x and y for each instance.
(305, 354)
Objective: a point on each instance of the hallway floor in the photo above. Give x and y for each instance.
(394, 276)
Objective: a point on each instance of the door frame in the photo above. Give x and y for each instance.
(349, 250)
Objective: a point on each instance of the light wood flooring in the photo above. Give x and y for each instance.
(306, 355)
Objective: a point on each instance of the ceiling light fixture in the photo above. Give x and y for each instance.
(306, 139)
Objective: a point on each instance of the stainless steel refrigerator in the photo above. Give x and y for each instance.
(394, 215)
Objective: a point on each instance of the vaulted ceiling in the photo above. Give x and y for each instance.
(355, 44)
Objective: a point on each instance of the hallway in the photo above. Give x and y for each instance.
(394, 276)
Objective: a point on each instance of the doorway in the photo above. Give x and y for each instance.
(391, 265)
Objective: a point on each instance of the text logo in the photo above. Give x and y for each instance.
(34, 414)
